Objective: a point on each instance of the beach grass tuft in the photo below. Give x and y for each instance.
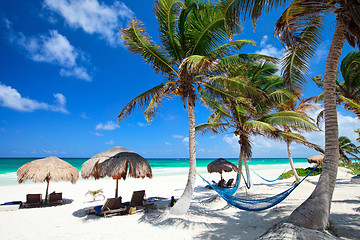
(301, 172)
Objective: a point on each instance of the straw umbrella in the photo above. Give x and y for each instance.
(46, 169)
(114, 163)
(221, 165)
(318, 159)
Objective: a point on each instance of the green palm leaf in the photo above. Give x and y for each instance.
(138, 42)
(166, 12)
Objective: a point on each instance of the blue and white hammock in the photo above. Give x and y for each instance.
(257, 204)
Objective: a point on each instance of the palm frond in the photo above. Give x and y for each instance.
(213, 127)
(230, 47)
(141, 101)
(166, 12)
(138, 42)
(207, 30)
(157, 97)
(299, 51)
(238, 59)
(290, 119)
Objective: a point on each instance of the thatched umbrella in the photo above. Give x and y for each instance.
(221, 165)
(114, 163)
(318, 159)
(46, 169)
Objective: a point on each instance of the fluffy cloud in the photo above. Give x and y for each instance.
(111, 142)
(93, 17)
(268, 49)
(140, 124)
(52, 48)
(11, 98)
(177, 136)
(110, 125)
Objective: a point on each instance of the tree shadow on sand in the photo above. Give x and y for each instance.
(213, 218)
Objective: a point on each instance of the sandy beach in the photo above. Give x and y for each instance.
(208, 218)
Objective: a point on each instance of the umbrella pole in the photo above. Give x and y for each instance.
(47, 190)
(117, 184)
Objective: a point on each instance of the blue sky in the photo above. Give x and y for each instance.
(65, 75)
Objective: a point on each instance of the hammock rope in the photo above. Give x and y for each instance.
(248, 183)
(268, 179)
(258, 204)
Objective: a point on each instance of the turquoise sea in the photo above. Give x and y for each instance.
(160, 166)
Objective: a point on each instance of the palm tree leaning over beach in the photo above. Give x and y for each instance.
(304, 107)
(251, 94)
(304, 15)
(193, 37)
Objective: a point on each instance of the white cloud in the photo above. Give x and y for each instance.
(77, 72)
(93, 17)
(53, 48)
(110, 125)
(140, 124)
(185, 140)
(111, 142)
(177, 136)
(321, 52)
(84, 116)
(269, 49)
(11, 98)
(167, 143)
(232, 141)
(98, 134)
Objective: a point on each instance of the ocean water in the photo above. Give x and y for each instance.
(159, 166)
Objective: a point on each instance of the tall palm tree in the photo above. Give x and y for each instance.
(304, 107)
(193, 36)
(245, 109)
(304, 19)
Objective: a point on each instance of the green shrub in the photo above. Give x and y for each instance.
(354, 167)
(301, 172)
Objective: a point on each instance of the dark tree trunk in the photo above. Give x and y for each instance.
(314, 212)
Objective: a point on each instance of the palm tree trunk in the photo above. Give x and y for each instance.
(314, 212)
(291, 161)
(183, 204)
(239, 172)
(247, 170)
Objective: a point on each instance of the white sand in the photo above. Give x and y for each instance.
(205, 220)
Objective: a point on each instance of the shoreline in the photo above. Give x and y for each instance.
(10, 178)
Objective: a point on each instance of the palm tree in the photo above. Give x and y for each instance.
(306, 105)
(347, 147)
(192, 33)
(304, 19)
(244, 110)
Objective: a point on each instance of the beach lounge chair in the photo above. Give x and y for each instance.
(33, 200)
(229, 183)
(55, 198)
(112, 206)
(137, 200)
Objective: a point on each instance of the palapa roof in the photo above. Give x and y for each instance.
(114, 163)
(318, 158)
(220, 165)
(51, 168)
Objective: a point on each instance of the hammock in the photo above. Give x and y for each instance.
(247, 184)
(258, 204)
(227, 191)
(270, 180)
